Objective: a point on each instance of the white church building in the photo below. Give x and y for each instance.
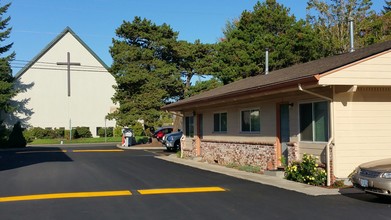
(65, 86)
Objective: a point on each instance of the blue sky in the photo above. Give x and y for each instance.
(36, 23)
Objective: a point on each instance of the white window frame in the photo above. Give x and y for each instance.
(312, 123)
(188, 129)
(241, 120)
(220, 113)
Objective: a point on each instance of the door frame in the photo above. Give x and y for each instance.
(279, 152)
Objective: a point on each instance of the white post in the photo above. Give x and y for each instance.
(105, 130)
(267, 61)
(70, 130)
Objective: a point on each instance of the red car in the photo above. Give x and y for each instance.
(159, 133)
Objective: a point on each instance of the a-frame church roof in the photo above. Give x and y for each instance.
(52, 43)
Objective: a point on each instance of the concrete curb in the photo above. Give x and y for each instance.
(259, 178)
(140, 148)
(75, 145)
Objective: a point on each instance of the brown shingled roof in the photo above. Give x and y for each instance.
(305, 71)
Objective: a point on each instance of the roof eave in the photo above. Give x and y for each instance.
(249, 92)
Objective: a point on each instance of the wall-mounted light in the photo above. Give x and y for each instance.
(291, 105)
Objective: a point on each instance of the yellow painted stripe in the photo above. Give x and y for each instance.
(84, 151)
(42, 151)
(180, 190)
(65, 195)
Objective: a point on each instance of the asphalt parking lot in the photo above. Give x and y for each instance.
(104, 182)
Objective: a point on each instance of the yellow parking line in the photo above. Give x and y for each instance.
(180, 190)
(42, 151)
(86, 151)
(66, 195)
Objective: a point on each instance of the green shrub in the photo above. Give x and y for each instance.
(232, 165)
(338, 184)
(246, 168)
(250, 168)
(50, 133)
(138, 129)
(142, 139)
(4, 134)
(283, 161)
(82, 132)
(60, 132)
(28, 136)
(74, 134)
(117, 131)
(306, 171)
(16, 138)
(109, 132)
(148, 132)
(40, 133)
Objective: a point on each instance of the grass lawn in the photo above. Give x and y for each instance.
(76, 141)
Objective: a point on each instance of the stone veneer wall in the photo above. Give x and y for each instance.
(224, 153)
(293, 152)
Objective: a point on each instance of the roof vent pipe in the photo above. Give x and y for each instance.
(351, 30)
(267, 61)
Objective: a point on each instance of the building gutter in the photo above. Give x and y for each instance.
(331, 139)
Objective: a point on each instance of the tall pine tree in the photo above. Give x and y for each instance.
(241, 53)
(7, 90)
(192, 59)
(387, 7)
(143, 67)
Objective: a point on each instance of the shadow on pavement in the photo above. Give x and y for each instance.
(366, 197)
(16, 158)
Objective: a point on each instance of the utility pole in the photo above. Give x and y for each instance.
(69, 64)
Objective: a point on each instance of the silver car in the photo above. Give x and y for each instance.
(172, 141)
(373, 177)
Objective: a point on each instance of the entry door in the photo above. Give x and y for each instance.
(200, 122)
(284, 131)
(200, 126)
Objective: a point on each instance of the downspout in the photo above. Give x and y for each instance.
(331, 128)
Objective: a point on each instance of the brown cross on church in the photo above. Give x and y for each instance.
(69, 64)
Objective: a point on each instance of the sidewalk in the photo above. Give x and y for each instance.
(260, 178)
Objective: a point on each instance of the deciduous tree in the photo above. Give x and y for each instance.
(374, 29)
(330, 20)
